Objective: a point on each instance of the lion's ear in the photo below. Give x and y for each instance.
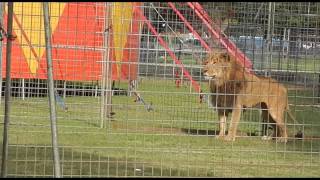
(225, 56)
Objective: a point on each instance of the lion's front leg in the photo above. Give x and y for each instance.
(222, 125)
(235, 118)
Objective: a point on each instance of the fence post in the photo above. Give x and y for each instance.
(54, 134)
(108, 74)
(64, 89)
(1, 23)
(23, 89)
(105, 69)
(106, 93)
(269, 37)
(7, 103)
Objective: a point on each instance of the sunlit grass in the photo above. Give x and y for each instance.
(156, 143)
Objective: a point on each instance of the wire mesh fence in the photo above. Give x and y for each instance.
(132, 99)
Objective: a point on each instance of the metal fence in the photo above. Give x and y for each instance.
(150, 122)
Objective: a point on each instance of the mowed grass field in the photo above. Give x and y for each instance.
(175, 139)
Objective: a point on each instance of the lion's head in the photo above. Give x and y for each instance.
(218, 67)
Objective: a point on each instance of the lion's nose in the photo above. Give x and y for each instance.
(204, 70)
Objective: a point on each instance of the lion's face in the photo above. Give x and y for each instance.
(216, 68)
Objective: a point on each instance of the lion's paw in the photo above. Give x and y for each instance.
(220, 136)
(229, 138)
(282, 140)
(266, 138)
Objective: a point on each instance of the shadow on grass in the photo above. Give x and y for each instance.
(213, 132)
(35, 161)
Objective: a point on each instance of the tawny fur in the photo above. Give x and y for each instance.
(233, 88)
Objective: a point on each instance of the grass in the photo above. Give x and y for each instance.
(156, 143)
(309, 64)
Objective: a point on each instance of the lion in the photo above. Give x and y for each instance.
(234, 89)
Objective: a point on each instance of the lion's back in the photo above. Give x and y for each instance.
(264, 89)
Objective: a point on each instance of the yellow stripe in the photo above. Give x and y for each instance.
(121, 20)
(30, 16)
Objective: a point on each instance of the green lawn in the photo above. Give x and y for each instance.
(309, 64)
(156, 143)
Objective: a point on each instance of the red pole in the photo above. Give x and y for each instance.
(208, 19)
(203, 43)
(196, 86)
(203, 12)
(231, 47)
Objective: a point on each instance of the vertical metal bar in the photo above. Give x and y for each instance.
(319, 88)
(103, 81)
(1, 23)
(108, 96)
(7, 93)
(140, 41)
(95, 91)
(272, 35)
(64, 89)
(288, 43)
(284, 43)
(23, 88)
(54, 134)
(269, 38)
(106, 68)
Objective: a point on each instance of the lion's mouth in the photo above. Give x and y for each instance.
(210, 77)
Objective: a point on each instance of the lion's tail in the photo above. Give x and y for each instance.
(300, 133)
(290, 113)
(291, 116)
